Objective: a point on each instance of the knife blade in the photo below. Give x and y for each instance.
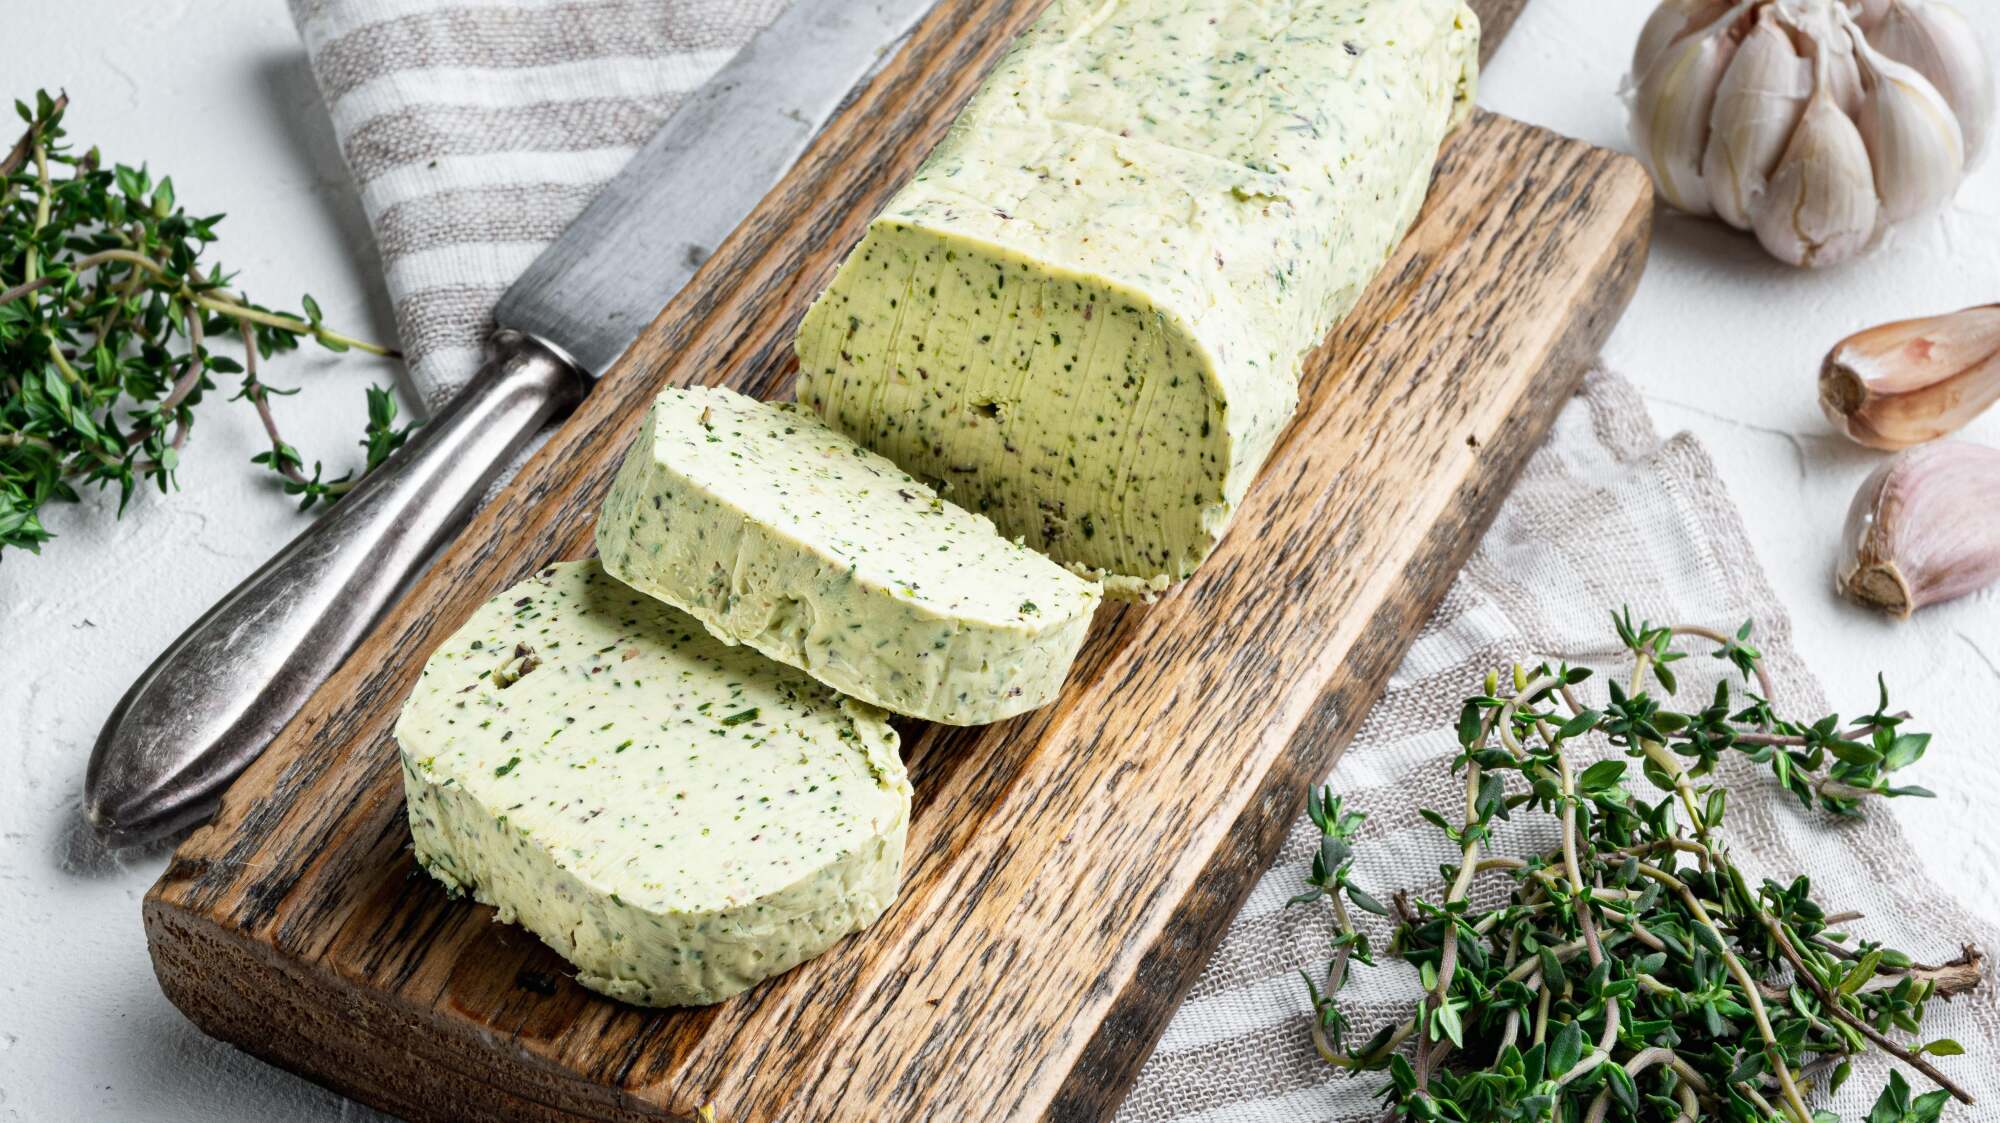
(215, 699)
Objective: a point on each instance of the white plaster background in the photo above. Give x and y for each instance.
(216, 92)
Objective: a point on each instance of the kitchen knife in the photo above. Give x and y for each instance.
(212, 702)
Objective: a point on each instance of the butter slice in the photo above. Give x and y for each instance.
(676, 817)
(779, 533)
(1087, 315)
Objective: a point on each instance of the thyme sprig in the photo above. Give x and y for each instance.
(1332, 865)
(1634, 972)
(109, 318)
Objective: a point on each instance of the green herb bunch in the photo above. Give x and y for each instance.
(1634, 972)
(108, 320)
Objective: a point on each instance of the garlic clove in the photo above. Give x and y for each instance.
(1912, 137)
(1841, 69)
(1912, 381)
(1938, 42)
(1820, 208)
(1671, 20)
(1923, 529)
(1670, 113)
(1757, 106)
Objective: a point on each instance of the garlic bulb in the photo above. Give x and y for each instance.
(1911, 381)
(1921, 529)
(1817, 124)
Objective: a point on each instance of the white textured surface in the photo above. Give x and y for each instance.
(1722, 341)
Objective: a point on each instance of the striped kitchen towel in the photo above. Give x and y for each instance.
(476, 129)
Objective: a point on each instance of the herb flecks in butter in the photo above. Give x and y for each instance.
(778, 532)
(1088, 312)
(678, 840)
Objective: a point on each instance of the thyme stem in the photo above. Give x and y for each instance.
(1833, 1004)
(1794, 1103)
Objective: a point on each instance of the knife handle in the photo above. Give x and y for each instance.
(212, 701)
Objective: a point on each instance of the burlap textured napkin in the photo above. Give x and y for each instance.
(476, 129)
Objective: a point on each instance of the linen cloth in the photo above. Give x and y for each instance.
(477, 129)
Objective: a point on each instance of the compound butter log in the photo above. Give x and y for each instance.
(1087, 314)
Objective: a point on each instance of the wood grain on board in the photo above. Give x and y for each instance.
(1068, 870)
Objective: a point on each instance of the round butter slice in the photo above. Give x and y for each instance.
(678, 818)
(780, 533)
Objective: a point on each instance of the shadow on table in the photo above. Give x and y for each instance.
(79, 852)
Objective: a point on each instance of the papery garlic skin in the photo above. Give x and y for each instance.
(1671, 111)
(1937, 41)
(1912, 137)
(1912, 381)
(1923, 529)
(1821, 207)
(1758, 105)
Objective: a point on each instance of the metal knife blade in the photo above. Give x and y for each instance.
(651, 228)
(212, 702)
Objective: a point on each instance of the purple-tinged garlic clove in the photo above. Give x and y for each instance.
(1911, 381)
(1924, 528)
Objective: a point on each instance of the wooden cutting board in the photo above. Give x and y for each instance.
(1068, 870)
